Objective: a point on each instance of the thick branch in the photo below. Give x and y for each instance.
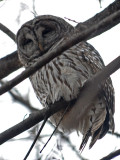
(9, 64)
(114, 7)
(56, 52)
(7, 31)
(86, 96)
(112, 155)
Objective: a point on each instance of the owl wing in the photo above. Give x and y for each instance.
(94, 60)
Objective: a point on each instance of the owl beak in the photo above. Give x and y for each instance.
(41, 47)
(40, 38)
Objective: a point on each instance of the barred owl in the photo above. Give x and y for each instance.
(65, 75)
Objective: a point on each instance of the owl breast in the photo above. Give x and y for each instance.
(63, 77)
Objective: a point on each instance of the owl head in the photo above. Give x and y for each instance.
(37, 36)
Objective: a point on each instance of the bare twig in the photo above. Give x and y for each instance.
(55, 127)
(111, 155)
(114, 134)
(23, 7)
(100, 3)
(71, 20)
(3, 3)
(56, 52)
(85, 97)
(34, 9)
(7, 31)
(41, 127)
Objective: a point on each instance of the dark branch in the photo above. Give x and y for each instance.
(112, 155)
(77, 37)
(7, 31)
(85, 97)
(114, 7)
(36, 138)
(9, 64)
(65, 111)
(114, 134)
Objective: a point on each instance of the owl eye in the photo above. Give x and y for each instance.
(26, 45)
(46, 32)
(27, 41)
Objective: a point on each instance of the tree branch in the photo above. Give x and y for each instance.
(7, 31)
(112, 8)
(114, 134)
(86, 96)
(111, 155)
(9, 64)
(77, 37)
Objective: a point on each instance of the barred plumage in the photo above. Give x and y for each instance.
(65, 75)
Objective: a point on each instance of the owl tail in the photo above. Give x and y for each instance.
(85, 140)
(95, 136)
